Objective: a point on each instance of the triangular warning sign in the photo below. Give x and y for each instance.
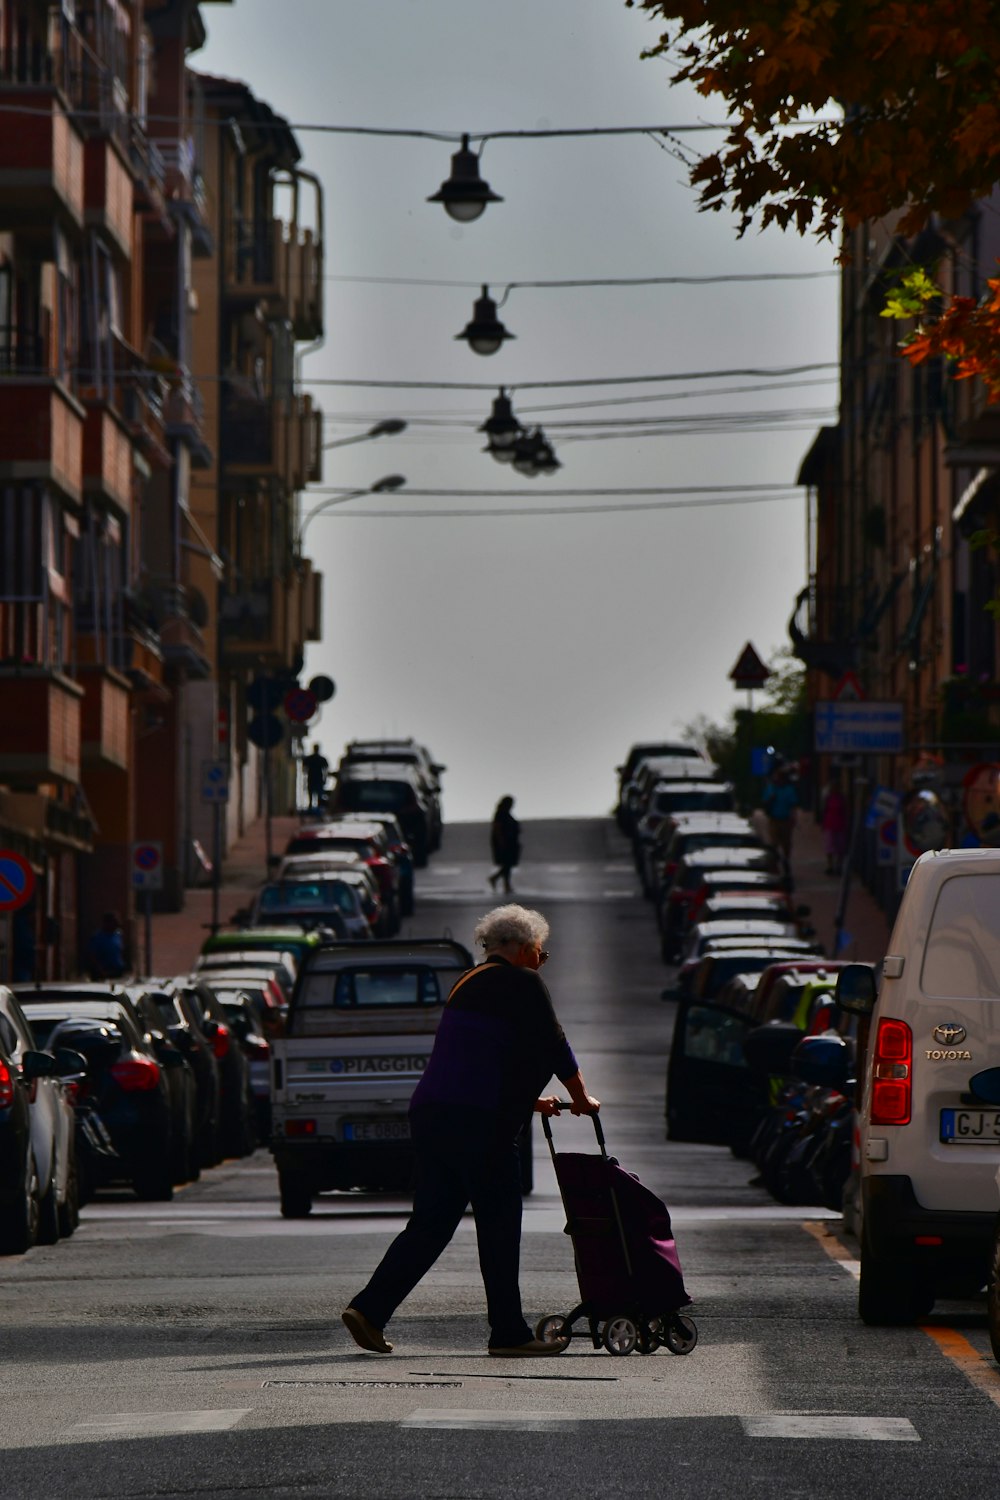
(749, 670)
(848, 689)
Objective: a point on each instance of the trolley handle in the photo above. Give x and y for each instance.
(566, 1104)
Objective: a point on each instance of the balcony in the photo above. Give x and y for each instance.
(311, 611)
(40, 742)
(107, 458)
(306, 443)
(104, 718)
(180, 640)
(46, 825)
(108, 195)
(186, 192)
(41, 163)
(267, 438)
(41, 434)
(257, 624)
(258, 265)
(306, 255)
(184, 415)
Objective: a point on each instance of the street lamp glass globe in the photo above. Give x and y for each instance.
(464, 195)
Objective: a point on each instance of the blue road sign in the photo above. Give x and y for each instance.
(214, 781)
(17, 880)
(847, 728)
(147, 866)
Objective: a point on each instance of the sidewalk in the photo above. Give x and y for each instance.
(866, 929)
(178, 935)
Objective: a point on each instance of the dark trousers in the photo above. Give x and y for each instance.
(458, 1161)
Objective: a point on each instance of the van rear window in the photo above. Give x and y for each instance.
(358, 989)
(962, 953)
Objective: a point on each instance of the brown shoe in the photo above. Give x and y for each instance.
(364, 1333)
(532, 1347)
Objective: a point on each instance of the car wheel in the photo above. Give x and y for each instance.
(20, 1232)
(48, 1215)
(889, 1293)
(296, 1195)
(69, 1209)
(154, 1184)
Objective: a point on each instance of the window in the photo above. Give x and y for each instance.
(962, 953)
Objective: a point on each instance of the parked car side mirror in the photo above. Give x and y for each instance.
(855, 990)
(38, 1065)
(823, 1060)
(768, 1049)
(69, 1062)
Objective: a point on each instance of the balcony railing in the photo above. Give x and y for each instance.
(41, 163)
(41, 738)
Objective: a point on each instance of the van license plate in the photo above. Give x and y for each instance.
(971, 1127)
(376, 1130)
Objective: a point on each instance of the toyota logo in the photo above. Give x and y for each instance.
(949, 1034)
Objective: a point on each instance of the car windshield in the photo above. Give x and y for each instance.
(309, 895)
(375, 794)
(327, 843)
(63, 1031)
(362, 988)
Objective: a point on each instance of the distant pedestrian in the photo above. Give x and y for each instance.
(316, 767)
(834, 823)
(497, 1046)
(780, 801)
(105, 956)
(505, 843)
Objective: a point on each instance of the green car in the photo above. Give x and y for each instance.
(297, 940)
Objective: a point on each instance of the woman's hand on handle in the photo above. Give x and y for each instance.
(550, 1105)
(588, 1105)
(581, 1103)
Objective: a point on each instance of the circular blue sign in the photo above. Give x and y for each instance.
(17, 880)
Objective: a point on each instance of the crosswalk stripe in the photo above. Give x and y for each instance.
(490, 1419)
(125, 1424)
(796, 1424)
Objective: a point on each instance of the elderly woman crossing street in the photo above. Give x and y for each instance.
(498, 1045)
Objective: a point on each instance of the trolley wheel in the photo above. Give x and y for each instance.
(650, 1335)
(681, 1334)
(619, 1335)
(553, 1329)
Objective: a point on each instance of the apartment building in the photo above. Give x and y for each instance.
(114, 496)
(897, 594)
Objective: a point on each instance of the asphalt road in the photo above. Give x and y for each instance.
(195, 1348)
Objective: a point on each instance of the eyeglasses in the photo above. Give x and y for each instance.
(543, 957)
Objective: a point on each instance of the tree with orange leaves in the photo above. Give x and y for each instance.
(841, 110)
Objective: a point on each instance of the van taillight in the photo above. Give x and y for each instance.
(892, 1084)
(300, 1127)
(6, 1086)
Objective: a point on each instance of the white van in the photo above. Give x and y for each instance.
(929, 1145)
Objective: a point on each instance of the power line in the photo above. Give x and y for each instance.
(542, 510)
(515, 286)
(658, 489)
(539, 385)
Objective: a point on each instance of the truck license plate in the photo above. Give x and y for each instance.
(376, 1130)
(970, 1127)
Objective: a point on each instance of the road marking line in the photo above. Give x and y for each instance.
(490, 1419)
(835, 1249)
(121, 1424)
(616, 867)
(838, 1428)
(563, 869)
(614, 895)
(966, 1359)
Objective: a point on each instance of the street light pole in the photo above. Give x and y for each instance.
(388, 427)
(380, 487)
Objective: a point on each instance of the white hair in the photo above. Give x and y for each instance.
(510, 924)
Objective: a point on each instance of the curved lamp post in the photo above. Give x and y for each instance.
(465, 194)
(388, 427)
(380, 487)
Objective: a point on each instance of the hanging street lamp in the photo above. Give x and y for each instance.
(484, 333)
(502, 429)
(465, 194)
(534, 455)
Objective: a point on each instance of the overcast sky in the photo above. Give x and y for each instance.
(529, 650)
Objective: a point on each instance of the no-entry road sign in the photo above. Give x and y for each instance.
(300, 705)
(147, 866)
(17, 881)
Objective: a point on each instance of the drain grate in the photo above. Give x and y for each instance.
(370, 1385)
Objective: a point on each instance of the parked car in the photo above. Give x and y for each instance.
(647, 750)
(39, 1186)
(238, 1136)
(704, 933)
(123, 1076)
(369, 841)
(692, 881)
(259, 988)
(403, 753)
(346, 866)
(637, 793)
(181, 1021)
(390, 787)
(278, 938)
(398, 848)
(314, 902)
(279, 963)
(707, 831)
(181, 1084)
(245, 1018)
(655, 827)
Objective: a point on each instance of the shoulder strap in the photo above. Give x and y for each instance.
(469, 974)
